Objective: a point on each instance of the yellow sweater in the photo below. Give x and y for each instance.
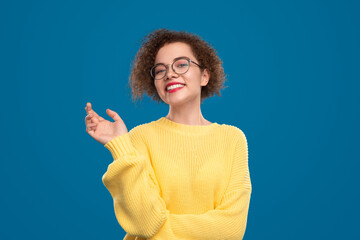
(175, 181)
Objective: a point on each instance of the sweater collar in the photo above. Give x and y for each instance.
(184, 128)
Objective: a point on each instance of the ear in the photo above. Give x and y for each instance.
(205, 77)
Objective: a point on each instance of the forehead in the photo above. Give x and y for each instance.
(168, 52)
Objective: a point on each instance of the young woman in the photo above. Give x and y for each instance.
(181, 176)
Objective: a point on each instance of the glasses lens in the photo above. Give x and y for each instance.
(159, 71)
(181, 66)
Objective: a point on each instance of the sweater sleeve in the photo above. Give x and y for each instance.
(228, 220)
(138, 206)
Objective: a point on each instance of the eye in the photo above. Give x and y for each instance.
(159, 71)
(182, 65)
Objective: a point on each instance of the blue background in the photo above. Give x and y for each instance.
(293, 70)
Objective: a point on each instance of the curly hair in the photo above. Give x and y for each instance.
(140, 80)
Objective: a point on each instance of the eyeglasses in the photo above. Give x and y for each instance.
(180, 66)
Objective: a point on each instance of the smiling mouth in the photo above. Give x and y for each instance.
(176, 89)
(175, 86)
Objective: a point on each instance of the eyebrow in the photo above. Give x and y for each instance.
(174, 59)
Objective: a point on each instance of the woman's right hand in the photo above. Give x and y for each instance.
(101, 129)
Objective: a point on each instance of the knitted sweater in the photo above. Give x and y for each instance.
(175, 181)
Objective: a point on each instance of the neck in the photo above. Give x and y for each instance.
(189, 115)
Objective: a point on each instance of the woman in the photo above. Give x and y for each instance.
(181, 176)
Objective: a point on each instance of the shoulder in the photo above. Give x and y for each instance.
(234, 136)
(233, 132)
(139, 128)
(143, 129)
(139, 136)
(144, 133)
(239, 144)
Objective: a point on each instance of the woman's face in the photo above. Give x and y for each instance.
(193, 79)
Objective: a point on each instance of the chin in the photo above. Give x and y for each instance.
(178, 102)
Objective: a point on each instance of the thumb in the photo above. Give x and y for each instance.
(113, 115)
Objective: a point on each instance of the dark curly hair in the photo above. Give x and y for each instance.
(140, 80)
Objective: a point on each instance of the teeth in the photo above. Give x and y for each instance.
(174, 86)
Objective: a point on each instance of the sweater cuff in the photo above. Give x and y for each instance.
(120, 146)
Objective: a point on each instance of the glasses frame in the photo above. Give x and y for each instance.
(172, 67)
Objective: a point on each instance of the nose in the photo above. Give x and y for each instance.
(170, 73)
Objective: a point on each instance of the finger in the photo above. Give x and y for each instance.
(90, 132)
(113, 115)
(89, 110)
(94, 118)
(90, 125)
(92, 129)
(87, 107)
(88, 119)
(93, 112)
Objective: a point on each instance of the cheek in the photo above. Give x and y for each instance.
(158, 87)
(192, 79)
